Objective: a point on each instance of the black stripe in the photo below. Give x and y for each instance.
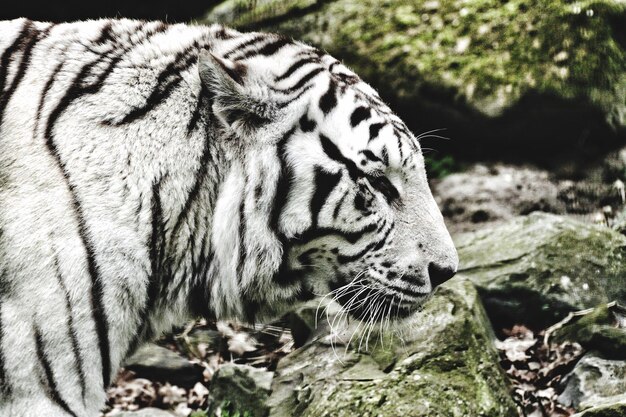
(243, 45)
(195, 190)
(222, 34)
(306, 124)
(167, 81)
(329, 100)
(351, 237)
(156, 245)
(335, 154)
(198, 109)
(348, 79)
(284, 183)
(242, 235)
(370, 247)
(385, 238)
(283, 104)
(283, 187)
(385, 154)
(370, 155)
(375, 130)
(305, 79)
(339, 204)
(325, 183)
(78, 89)
(268, 49)
(5, 388)
(49, 385)
(44, 94)
(72, 331)
(5, 97)
(360, 114)
(97, 292)
(296, 66)
(382, 184)
(199, 289)
(7, 55)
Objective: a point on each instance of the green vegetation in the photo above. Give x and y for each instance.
(439, 167)
(485, 54)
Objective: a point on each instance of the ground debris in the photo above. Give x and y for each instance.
(536, 369)
(209, 344)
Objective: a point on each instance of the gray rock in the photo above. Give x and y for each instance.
(441, 363)
(617, 408)
(488, 194)
(619, 223)
(240, 388)
(593, 381)
(147, 412)
(535, 269)
(160, 364)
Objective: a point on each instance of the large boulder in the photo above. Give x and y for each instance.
(534, 74)
(442, 364)
(535, 269)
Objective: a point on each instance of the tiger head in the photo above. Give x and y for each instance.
(330, 184)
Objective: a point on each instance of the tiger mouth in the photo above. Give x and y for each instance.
(370, 301)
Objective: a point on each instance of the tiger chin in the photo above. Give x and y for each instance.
(152, 172)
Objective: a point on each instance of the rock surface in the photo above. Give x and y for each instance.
(535, 269)
(489, 194)
(442, 365)
(160, 364)
(531, 72)
(594, 381)
(494, 193)
(240, 388)
(602, 331)
(615, 409)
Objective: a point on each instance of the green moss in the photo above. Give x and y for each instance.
(596, 331)
(484, 53)
(538, 268)
(443, 365)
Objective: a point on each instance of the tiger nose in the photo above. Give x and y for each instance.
(439, 274)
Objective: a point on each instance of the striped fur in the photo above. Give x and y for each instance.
(152, 172)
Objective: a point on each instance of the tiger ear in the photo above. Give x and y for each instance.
(230, 84)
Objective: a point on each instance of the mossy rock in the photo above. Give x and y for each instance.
(596, 331)
(537, 268)
(240, 389)
(443, 365)
(534, 73)
(615, 409)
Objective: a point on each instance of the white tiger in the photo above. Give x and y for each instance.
(152, 172)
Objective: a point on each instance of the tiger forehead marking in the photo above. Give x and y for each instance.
(152, 172)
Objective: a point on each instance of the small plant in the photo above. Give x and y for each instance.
(439, 167)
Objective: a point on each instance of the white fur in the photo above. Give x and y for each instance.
(112, 170)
